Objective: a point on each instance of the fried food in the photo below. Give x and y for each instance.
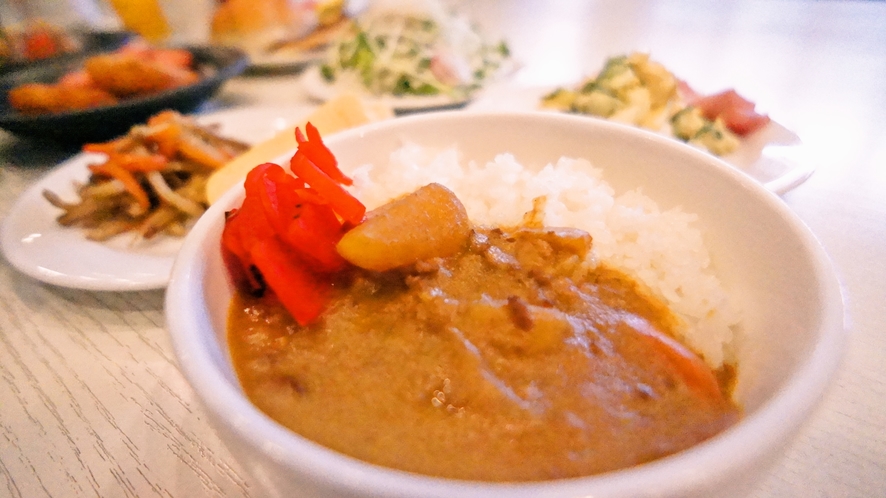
(132, 71)
(126, 76)
(39, 98)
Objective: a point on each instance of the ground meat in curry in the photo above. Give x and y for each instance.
(513, 360)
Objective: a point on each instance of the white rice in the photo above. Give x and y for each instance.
(659, 248)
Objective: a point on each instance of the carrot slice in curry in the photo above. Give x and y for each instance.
(691, 368)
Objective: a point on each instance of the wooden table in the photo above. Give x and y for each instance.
(92, 403)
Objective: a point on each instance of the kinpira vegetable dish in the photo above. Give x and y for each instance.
(148, 182)
(639, 91)
(409, 336)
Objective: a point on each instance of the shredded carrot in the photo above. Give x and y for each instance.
(136, 162)
(167, 137)
(114, 170)
(195, 150)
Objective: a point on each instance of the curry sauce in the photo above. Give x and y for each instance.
(512, 360)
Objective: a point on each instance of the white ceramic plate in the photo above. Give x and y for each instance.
(36, 245)
(319, 89)
(774, 156)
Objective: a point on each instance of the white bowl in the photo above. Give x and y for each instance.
(776, 270)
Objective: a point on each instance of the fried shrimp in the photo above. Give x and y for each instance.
(39, 98)
(132, 71)
(125, 75)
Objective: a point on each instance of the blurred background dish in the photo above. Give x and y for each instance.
(281, 35)
(14, 53)
(321, 90)
(775, 156)
(296, 54)
(214, 66)
(36, 30)
(412, 55)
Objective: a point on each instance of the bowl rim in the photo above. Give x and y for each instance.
(772, 423)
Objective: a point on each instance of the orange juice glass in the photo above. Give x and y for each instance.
(144, 17)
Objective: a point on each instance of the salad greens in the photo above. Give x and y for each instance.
(405, 54)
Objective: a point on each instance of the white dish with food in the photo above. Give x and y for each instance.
(281, 36)
(774, 155)
(297, 53)
(37, 245)
(411, 55)
(787, 346)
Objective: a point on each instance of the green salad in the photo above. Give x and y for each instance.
(413, 53)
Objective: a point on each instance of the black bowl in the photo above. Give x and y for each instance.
(215, 64)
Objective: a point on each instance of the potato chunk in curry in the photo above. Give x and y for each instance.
(430, 222)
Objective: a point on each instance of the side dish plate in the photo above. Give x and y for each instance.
(773, 156)
(36, 245)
